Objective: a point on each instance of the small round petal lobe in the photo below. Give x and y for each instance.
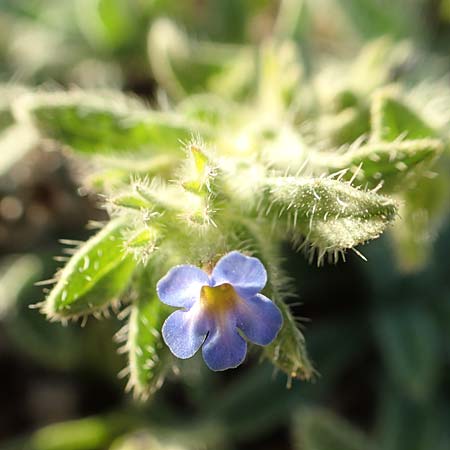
(259, 318)
(181, 286)
(245, 273)
(224, 348)
(184, 332)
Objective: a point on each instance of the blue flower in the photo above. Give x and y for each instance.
(215, 307)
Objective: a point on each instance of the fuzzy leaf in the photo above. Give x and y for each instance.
(393, 163)
(391, 118)
(331, 215)
(92, 123)
(149, 358)
(95, 276)
(318, 429)
(131, 200)
(288, 351)
(396, 164)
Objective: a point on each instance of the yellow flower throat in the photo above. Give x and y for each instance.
(218, 299)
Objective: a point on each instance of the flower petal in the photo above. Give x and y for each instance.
(260, 319)
(246, 274)
(181, 286)
(224, 347)
(184, 332)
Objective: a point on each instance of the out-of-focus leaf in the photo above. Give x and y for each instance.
(110, 25)
(279, 76)
(16, 273)
(95, 276)
(185, 67)
(402, 424)
(98, 123)
(318, 429)
(422, 212)
(408, 341)
(91, 433)
(28, 331)
(345, 126)
(373, 18)
(392, 119)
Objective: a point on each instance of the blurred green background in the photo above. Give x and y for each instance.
(378, 332)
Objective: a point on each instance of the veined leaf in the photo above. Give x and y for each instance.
(96, 123)
(95, 276)
(331, 215)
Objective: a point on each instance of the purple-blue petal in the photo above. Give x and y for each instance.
(185, 331)
(245, 273)
(224, 347)
(181, 286)
(259, 318)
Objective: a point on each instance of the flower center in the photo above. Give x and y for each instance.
(218, 299)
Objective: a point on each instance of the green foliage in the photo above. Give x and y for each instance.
(90, 433)
(317, 429)
(331, 215)
(288, 351)
(149, 359)
(105, 124)
(409, 344)
(254, 143)
(391, 119)
(96, 276)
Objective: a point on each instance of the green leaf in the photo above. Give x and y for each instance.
(402, 424)
(149, 358)
(373, 18)
(288, 351)
(422, 213)
(183, 66)
(99, 123)
(16, 273)
(345, 126)
(391, 119)
(409, 344)
(319, 429)
(95, 276)
(90, 433)
(331, 215)
(396, 163)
